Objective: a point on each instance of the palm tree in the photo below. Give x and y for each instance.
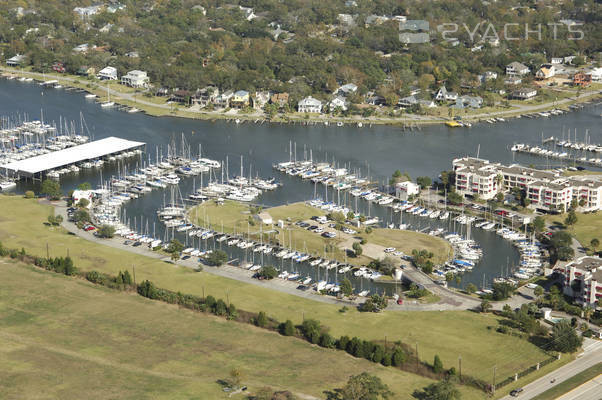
(594, 243)
(485, 306)
(587, 313)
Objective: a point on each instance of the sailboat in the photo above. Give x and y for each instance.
(107, 103)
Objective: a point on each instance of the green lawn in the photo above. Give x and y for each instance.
(571, 383)
(586, 228)
(448, 334)
(62, 337)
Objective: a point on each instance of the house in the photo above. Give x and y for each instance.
(443, 95)
(265, 218)
(376, 100)
(281, 99)
(596, 74)
(403, 190)
(375, 20)
(162, 92)
(427, 103)
(132, 54)
(524, 94)
(248, 13)
(350, 3)
(516, 68)
(582, 79)
(15, 61)
(468, 102)
(84, 12)
(108, 74)
(223, 99)
(82, 48)
(310, 105)
(338, 102)
(180, 96)
(407, 101)
(260, 99)
(488, 76)
(346, 19)
(582, 280)
(556, 60)
(346, 89)
(86, 71)
(546, 71)
(513, 80)
(58, 67)
(113, 8)
(200, 9)
(205, 96)
(135, 79)
(240, 99)
(106, 28)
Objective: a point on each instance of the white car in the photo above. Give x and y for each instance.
(389, 249)
(349, 231)
(319, 230)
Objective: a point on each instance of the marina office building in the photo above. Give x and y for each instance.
(547, 190)
(583, 280)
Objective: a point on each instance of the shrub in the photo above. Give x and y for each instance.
(287, 328)
(30, 194)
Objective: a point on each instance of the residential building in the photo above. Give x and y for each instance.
(281, 99)
(15, 61)
(476, 177)
(468, 102)
(84, 12)
(248, 13)
(403, 190)
(488, 76)
(556, 60)
(588, 193)
(546, 71)
(582, 280)
(135, 79)
(346, 19)
(58, 67)
(240, 99)
(106, 29)
(443, 95)
(346, 89)
(84, 70)
(524, 94)
(108, 73)
(596, 74)
(261, 99)
(513, 80)
(376, 100)
(310, 105)
(516, 68)
(223, 99)
(180, 96)
(582, 79)
(338, 102)
(132, 54)
(82, 48)
(205, 96)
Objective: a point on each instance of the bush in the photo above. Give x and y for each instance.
(217, 258)
(261, 320)
(30, 194)
(106, 231)
(267, 272)
(287, 328)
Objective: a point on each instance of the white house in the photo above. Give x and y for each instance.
(15, 61)
(108, 73)
(338, 102)
(87, 11)
(524, 93)
(556, 60)
(403, 190)
(596, 74)
(516, 68)
(443, 95)
(546, 71)
(310, 105)
(513, 80)
(82, 48)
(488, 76)
(248, 12)
(223, 100)
(135, 79)
(346, 89)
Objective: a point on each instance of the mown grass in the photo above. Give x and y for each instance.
(571, 383)
(61, 337)
(586, 228)
(449, 334)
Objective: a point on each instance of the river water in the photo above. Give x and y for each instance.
(376, 151)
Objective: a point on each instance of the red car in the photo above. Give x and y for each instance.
(89, 228)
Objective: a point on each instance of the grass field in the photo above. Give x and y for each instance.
(64, 338)
(571, 383)
(586, 228)
(235, 218)
(448, 334)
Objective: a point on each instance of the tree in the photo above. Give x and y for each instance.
(235, 378)
(564, 338)
(174, 248)
(84, 186)
(485, 306)
(471, 288)
(503, 290)
(571, 218)
(30, 194)
(217, 258)
(346, 287)
(424, 182)
(287, 328)
(437, 365)
(106, 231)
(267, 272)
(51, 189)
(357, 249)
(539, 224)
(83, 203)
(362, 387)
(538, 291)
(594, 243)
(443, 390)
(261, 320)
(81, 216)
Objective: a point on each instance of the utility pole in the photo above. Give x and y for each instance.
(134, 273)
(460, 365)
(47, 251)
(493, 387)
(416, 354)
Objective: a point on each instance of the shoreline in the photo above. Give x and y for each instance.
(410, 122)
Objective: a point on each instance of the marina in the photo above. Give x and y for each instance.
(372, 153)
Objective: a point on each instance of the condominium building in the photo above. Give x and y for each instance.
(582, 280)
(546, 190)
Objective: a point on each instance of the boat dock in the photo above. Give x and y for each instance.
(36, 167)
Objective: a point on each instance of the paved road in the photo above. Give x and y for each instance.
(591, 390)
(592, 355)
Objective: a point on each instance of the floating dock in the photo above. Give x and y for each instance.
(36, 167)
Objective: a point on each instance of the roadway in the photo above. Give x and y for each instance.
(591, 355)
(591, 390)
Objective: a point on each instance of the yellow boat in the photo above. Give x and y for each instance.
(452, 124)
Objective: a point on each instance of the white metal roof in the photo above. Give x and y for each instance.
(71, 155)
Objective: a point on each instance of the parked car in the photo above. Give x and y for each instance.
(516, 392)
